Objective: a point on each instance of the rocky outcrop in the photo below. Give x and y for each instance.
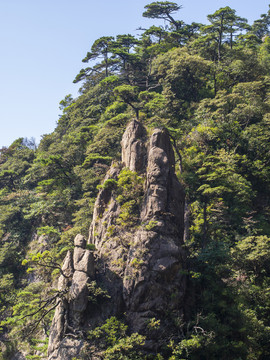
(19, 356)
(153, 274)
(133, 147)
(77, 270)
(140, 263)
(148, 258)
(164, 194)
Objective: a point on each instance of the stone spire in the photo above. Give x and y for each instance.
(141, 265)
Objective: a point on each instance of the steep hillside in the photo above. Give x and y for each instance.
(164, 156)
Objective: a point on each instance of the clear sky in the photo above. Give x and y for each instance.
(43, 42)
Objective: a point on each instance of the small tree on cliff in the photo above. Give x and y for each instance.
(129, 95)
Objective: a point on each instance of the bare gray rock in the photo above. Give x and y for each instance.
(67, 270)
(68, 349)
(18, 356)
(106, 210)
(151, 256)
(58, 328)
(77, 270)
(133, 147)
(151, 282)
(83, 261)
(80, 241)
(141, 266)
(164, 193)
(78, 293)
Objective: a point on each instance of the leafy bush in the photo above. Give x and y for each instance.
(112, 338)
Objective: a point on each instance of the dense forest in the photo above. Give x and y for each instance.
(209, 86)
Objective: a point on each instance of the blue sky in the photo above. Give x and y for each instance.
(43, 42)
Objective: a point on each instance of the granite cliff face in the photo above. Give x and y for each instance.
(139, 262)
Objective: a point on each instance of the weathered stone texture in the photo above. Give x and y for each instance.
(152, 255)
(77, 270)
(67, 269)
(141, 266)
(133, 147)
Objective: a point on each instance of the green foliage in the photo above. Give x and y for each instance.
(136, 263)
(210, 85)
(129, 95)
(31, 312)
(45, 264)
(153, 324)
(251, 255)
(184, 78)
(93, 158)
(112, 337)
(260, 27)
(95, 293)
(223, 22)
(126, 348)
(187, 347)
(130, 192)
(109, 184)
(47, 230)
(162, 10)
(151, 225)
(90, 247)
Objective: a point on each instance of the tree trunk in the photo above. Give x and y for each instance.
(220, 38)
(204, 225)
(186, 221)
(215, 83)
